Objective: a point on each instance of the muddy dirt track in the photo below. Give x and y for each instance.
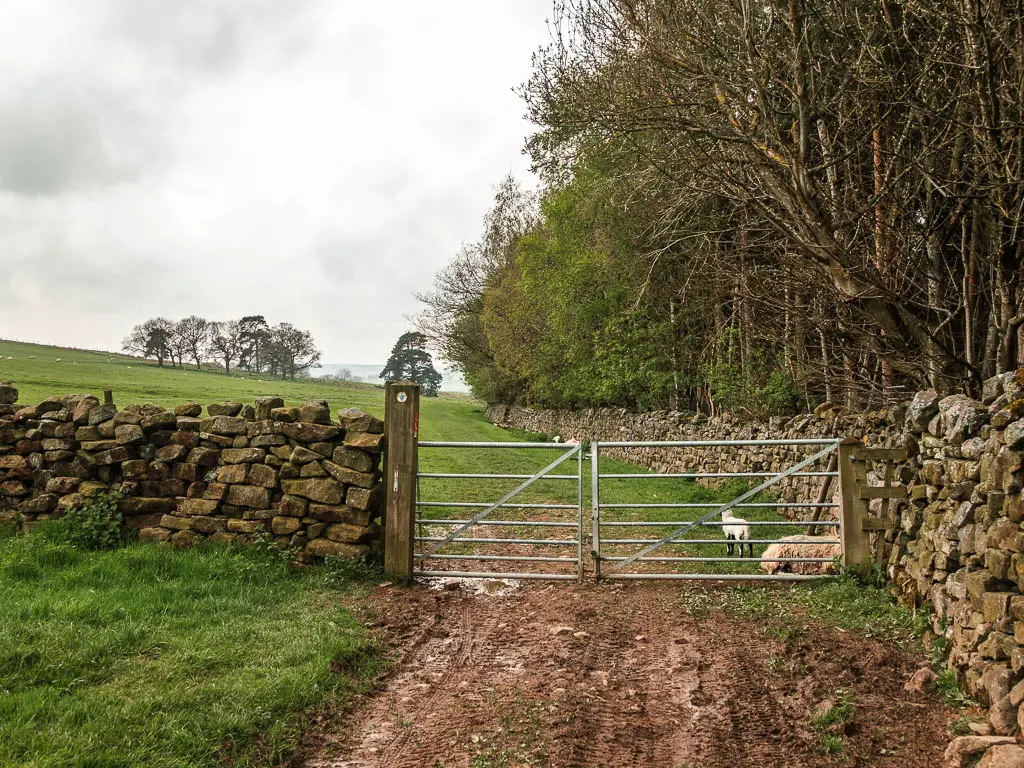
(620, 675)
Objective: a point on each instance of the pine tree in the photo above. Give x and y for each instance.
(410, 361)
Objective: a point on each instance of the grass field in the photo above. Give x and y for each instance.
(142, 381)
(148, 656)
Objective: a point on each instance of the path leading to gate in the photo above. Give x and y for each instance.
(620, 675)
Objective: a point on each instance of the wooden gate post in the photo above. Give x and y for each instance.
(401, 428)
(852, 508)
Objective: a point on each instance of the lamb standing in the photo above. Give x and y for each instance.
(736, 530)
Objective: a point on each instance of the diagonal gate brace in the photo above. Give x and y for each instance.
(525, 484)
(739, 499)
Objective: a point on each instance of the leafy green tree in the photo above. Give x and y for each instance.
(224, 343)
(151, 339)
(193, 334)
(254, 337)
(410, 361)
(291, 350)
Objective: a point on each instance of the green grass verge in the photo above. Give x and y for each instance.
(841, 602)
(157, 657)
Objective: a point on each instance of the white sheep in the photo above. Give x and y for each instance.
(736, 531)
(556, 439)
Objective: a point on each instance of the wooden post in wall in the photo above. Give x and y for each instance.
(852, 508)
(401, 428)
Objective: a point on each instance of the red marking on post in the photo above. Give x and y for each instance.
(416, 425)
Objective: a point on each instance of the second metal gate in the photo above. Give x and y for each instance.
(620, 552)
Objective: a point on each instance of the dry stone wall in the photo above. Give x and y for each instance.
(955, 547)
(616, 424)
(229, 475)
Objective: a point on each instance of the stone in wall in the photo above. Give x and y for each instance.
(227, 475)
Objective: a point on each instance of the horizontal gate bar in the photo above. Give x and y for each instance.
(660, 559)
(771, 504)
(494, 477)
(485, 504)
(648, 524)
(557, 542)
(420, 556)
(682, 475)
(713, 443)
(539, 524)
(492, 444)
(620, 576)
(499, 575)
(712, 541)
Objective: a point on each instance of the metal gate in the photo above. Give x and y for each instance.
(619, 553)
(556, 526)
(511, 537)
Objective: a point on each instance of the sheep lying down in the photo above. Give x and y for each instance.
(821, 546)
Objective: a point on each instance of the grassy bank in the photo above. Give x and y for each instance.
(158, 657)
(142, 381)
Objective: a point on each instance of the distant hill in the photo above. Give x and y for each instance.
(452, 382)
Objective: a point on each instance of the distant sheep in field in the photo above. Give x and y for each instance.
(57, 360)
(31, 357)
(736, 530)
(821, 546)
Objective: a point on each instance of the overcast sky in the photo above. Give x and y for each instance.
(315, 161)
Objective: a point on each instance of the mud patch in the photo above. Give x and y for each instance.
(489, 587)
(619, 675)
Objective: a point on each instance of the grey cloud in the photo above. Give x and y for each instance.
(210, 36)
(406, 251)
(84, 127)
(99, 284)
(59, 136)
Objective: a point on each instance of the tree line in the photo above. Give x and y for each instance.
(754, 205)
(250, 344)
